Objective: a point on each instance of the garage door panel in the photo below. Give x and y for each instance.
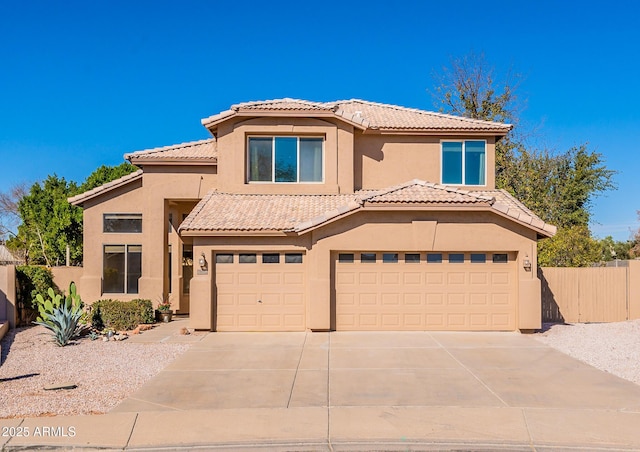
(391, 299)
(476, 278)
(478, 299)
(454, 278)
(368, 299)
(411, 299)
(293, 278)
(412, 278)
(498, 278)
(455, 299)
(390, 278)
(421, 295)
(271, 278)
(368, 278)
(260, 296)
(435, 299)
(243, 278)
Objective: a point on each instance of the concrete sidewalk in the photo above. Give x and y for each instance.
(356, 391)
(337, 428)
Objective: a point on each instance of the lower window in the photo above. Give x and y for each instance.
(122, 268)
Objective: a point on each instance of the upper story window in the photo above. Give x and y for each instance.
(464, 162)
(284, 159)
(122, 222)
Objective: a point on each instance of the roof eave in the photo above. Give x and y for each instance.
(174, 161)
(226, 233)
(437, 132)
(79, 200)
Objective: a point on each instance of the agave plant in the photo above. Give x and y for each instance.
(61, 316)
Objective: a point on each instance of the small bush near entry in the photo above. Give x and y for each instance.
(121, 315)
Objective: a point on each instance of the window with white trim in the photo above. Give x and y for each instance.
(285, 159)
(464, 162)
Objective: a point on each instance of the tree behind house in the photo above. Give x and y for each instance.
(558, 187)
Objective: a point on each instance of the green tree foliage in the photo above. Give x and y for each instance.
(558, 187)
(105, 174)
(48, 223)
(611, 249)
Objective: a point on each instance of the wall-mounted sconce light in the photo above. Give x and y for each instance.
(202, 262)
(526, 263)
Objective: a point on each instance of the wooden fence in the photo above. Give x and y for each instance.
(601, 294)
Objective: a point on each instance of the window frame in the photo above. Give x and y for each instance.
(463, 163)
(121, 216)
(273, 159)
(126, 275)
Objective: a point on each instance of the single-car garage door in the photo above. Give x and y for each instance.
(259, 291)
(425, 291)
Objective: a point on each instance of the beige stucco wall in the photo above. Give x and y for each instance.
(379, 231)
(385, 160)
(8, 310)
(63, 276)
(232, 156)
(151, 197)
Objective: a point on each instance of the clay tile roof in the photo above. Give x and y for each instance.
(284, 104)
(82, 197)
(238, 212)
(203, 150)
(513, 208)
(390, 117)
(367, 115)
(297, 213)
(418, 191)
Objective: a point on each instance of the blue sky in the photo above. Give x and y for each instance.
(82, 83)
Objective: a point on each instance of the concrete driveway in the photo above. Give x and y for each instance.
(350, 390)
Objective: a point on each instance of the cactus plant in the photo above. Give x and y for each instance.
(60, 316)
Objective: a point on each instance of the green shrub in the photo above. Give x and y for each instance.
(121, 315)
(61, 315)
(32, 280)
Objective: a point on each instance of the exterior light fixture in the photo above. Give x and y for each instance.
(202, 261)
(526, 263)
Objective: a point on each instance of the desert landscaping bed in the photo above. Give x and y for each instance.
(612, 347)
(105, 373)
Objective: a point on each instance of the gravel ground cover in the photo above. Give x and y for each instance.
(105, 373)
(612, 347)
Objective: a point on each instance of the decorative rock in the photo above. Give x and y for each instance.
(184, 331)
(105, 339)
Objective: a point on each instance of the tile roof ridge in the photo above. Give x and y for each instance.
(394, 188)
(425, 112)
(105, 186)
(435, 186)
(290, 195)
(256, 103)
(170, 147)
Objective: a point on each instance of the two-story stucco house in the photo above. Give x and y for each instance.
(298, 215)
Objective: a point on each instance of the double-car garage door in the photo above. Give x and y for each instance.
(266, 291)
(425, 291)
